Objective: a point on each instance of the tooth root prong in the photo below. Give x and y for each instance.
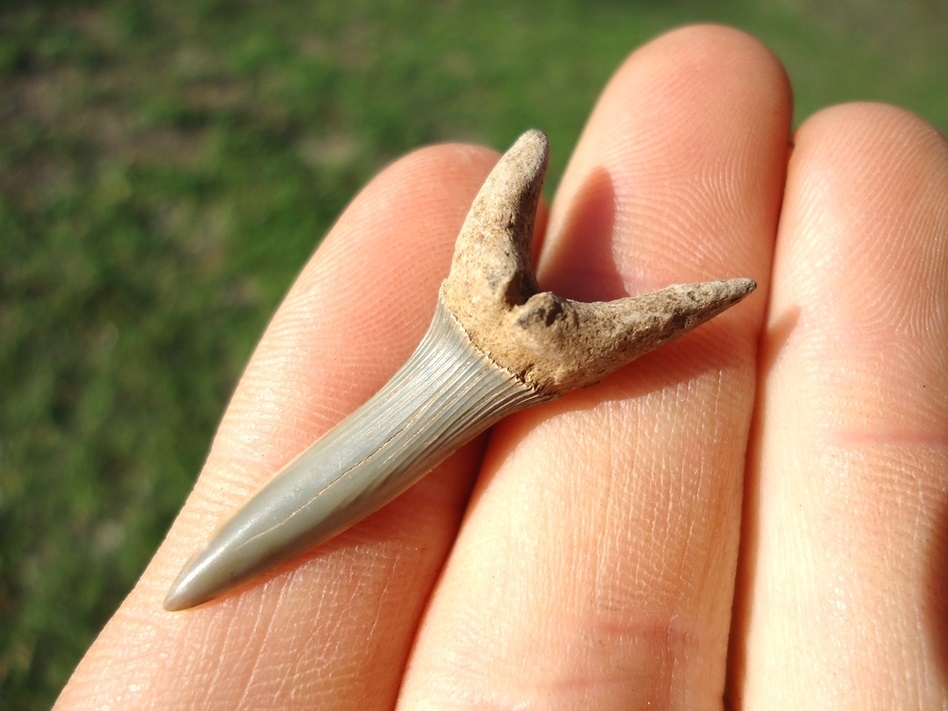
(555, 344)
(496, 345)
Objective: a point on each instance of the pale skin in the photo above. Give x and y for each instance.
(592, 553)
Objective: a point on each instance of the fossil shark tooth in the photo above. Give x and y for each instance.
(496, 345)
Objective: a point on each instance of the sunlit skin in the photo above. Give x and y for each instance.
(754, 516)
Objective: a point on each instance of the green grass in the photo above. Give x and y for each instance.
(167, 168)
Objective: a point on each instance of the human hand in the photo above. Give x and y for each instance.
(591, 553)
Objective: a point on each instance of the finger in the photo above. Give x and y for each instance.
(843, 573)
(337, 624)
(595, 566)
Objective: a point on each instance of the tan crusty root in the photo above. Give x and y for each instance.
(496, 345)
(555, 344)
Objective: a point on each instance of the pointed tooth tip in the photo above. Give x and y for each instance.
(181, 594)
(175, 602)
(195, 584)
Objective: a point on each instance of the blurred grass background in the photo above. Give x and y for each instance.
(167, 168)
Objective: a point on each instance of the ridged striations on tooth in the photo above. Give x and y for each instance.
(496, 344)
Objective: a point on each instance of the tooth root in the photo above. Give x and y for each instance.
(555, 344)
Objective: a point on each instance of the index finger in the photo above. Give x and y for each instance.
(337, 623)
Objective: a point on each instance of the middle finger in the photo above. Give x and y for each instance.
(595, 567)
